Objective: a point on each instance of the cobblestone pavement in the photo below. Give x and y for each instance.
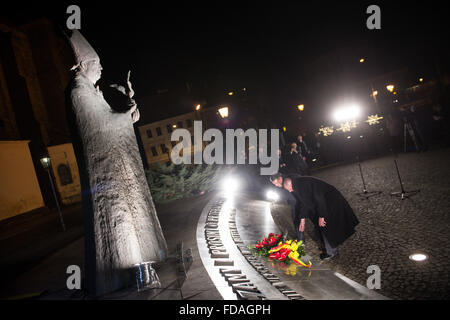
(391, 229)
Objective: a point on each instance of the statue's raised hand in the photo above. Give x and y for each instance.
(129, 92)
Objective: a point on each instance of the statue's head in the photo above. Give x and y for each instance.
(91, 69)
(87, 60)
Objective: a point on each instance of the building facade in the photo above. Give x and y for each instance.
(155, 136)
(35, 66)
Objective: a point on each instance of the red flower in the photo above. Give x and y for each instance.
(283, 254)
(272, 241)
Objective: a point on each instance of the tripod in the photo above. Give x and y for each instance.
(403, 194)
(365, 194)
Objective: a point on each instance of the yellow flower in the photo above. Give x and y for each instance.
(289, 241)
(293, 247)
(293, 255)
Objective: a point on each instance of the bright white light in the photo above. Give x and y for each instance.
(347, 113)
(314, 160)
(272, 195)
(349, 137)
(418, 257)
(229, 186)
(223, 111)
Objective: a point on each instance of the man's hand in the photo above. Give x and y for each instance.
(322, 222)
(301, 227)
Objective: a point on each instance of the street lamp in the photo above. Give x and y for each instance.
(45, 162)
(390, 87)
(301, 107)
(420, 79)
(223, 111)
(361, 60)
(198, 107)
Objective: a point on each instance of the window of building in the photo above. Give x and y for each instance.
(164, 148)
(189, 123)
(65, 176)
(179, 124)
(149, 133)
(154, 152)
(158, 131)
(169, 128)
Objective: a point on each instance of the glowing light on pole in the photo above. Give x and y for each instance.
(390, 87)
(223, 111)
(198, 107)
(301, 107)
(45, 162)
(361, 60)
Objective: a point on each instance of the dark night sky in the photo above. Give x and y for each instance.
(264, 46)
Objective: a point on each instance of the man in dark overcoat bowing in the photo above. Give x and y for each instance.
(325, 206)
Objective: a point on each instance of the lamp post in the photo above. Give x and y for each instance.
(45, 162)
(301, 107)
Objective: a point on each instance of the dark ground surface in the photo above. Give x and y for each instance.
(35, 253)
(391, 229)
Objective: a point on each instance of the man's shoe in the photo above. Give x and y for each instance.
(323, 255)
(326, 257)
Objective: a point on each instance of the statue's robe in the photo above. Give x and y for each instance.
(317, 198)
(122, 228)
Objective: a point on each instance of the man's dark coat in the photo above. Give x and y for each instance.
(317, 198)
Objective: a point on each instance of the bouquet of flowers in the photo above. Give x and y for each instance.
(283, 251)
(262, 247)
